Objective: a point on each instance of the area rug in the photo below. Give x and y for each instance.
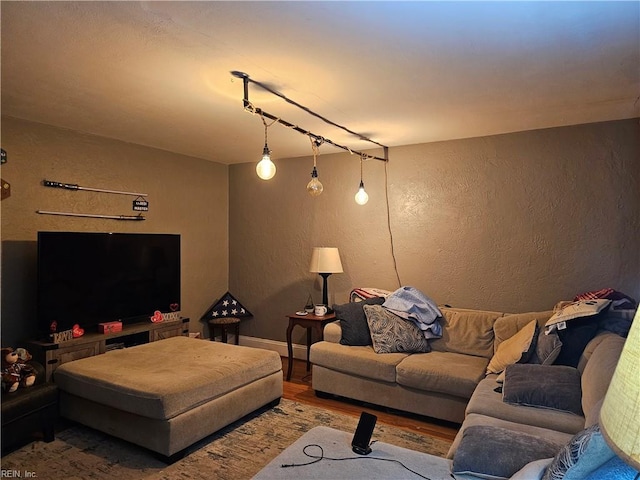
(238, 451)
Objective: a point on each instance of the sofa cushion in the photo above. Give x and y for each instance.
(361, 361)
(533, 470)
(547, 349)
(559, 439)
(585, 453)
(545, 386)
(466, 331)
(516, 349)
(599, 369)
(443, 372)
(486, 401)
(498, 453)
(353, 322)
(507, 326)
(392, 334)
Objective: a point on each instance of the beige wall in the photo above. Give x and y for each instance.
(187, 195)
(512, 222)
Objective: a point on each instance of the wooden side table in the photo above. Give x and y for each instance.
(310, 322)
(226, 325)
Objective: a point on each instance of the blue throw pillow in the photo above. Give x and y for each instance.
(614, 469)
(586, 452)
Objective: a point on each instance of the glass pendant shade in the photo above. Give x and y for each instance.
(361, 196)
(265, 168)
(314, 187)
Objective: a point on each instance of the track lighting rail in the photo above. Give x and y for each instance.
(318, 138)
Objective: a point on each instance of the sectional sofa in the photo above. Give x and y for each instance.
(437, 384)
(459, 381)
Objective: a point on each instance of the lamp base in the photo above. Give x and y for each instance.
(325, 293)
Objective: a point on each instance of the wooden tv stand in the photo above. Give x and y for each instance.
(52, 355)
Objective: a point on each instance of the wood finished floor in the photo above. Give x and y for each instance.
(299, 389)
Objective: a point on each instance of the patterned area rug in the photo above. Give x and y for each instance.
(238, 451)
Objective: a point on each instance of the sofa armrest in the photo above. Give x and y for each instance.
(333, 332)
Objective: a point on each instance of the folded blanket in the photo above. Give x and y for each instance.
(359, 294)
(411, 304)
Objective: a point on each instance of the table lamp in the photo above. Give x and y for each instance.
(620, 413)
(325, 261)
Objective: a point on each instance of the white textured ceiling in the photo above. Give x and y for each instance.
(158, 73)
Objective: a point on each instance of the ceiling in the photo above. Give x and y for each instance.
(158, 73)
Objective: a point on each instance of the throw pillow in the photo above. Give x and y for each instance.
(517, 349)
(497, 453)
(614, 469)
(574, 339)
(353, 322)
(392, 334)
(583, 308)
(544, 386)
(586, 452)
(548, 346)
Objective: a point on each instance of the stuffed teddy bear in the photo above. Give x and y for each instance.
(15, 370)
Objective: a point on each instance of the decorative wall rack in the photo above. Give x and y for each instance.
(139, 204)
(92, 215)
(75, 186)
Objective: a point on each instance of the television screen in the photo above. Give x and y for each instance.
(89, 278)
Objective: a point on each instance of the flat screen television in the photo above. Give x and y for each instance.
(89, 278)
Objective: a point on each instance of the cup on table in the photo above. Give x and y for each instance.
(320, 310)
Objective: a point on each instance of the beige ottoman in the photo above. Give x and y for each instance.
(168, 394)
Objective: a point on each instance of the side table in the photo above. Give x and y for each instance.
(226, 325)
(310, 322)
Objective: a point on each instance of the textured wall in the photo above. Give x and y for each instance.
(188, 196)
(512, 222)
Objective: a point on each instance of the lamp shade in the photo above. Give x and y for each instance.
(325, 260)
(620, 413)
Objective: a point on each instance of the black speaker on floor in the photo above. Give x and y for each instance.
(362, 436)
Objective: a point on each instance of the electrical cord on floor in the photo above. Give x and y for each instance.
(318, 458)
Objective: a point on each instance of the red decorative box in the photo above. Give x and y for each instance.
(110, 327)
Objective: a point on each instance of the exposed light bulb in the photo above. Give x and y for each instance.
(314, 187)
(361, 196)
(265, 168)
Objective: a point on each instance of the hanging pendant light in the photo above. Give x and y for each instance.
(361, 196)
(265, 168)
(314, 187)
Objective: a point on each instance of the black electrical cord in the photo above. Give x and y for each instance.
(318, 458)
(393, 251)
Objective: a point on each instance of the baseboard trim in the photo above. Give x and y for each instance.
(299, 351)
